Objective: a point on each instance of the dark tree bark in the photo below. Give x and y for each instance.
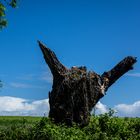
(76, 91)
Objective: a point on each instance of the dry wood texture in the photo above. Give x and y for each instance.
(76, 91)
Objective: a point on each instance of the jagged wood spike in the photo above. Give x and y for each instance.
(76, 91)
(54, 64)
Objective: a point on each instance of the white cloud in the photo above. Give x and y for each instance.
(18, 106)
(27, 77)
(13, 106)
(128, 110)
(43, 76)
(19, 85)
(122, 110)
(23, 85)
(100, 109)
(46, 76)
(133, 74)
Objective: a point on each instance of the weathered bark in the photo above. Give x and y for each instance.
(76, 91)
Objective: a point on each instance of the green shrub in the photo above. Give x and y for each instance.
(102, 127)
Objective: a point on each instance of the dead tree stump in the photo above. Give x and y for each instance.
(76, 91)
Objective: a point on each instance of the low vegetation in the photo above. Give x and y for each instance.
(103, 127)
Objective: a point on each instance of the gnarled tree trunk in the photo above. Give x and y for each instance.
(76, 91)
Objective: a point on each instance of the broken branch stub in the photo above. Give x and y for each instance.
(120, 69)
(76, 91)
(55, 66)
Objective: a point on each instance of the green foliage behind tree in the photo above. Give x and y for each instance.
(3, 5)
(102, 127)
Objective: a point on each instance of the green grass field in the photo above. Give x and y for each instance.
(15, 127)
(103, 127)
(9, 121)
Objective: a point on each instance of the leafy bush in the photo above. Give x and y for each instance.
(102, 127)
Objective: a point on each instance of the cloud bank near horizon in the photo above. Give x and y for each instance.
(128, 110)
(13, 106)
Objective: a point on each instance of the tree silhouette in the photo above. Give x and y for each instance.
(76, 91)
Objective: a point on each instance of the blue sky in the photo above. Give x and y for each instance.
(95, 33)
